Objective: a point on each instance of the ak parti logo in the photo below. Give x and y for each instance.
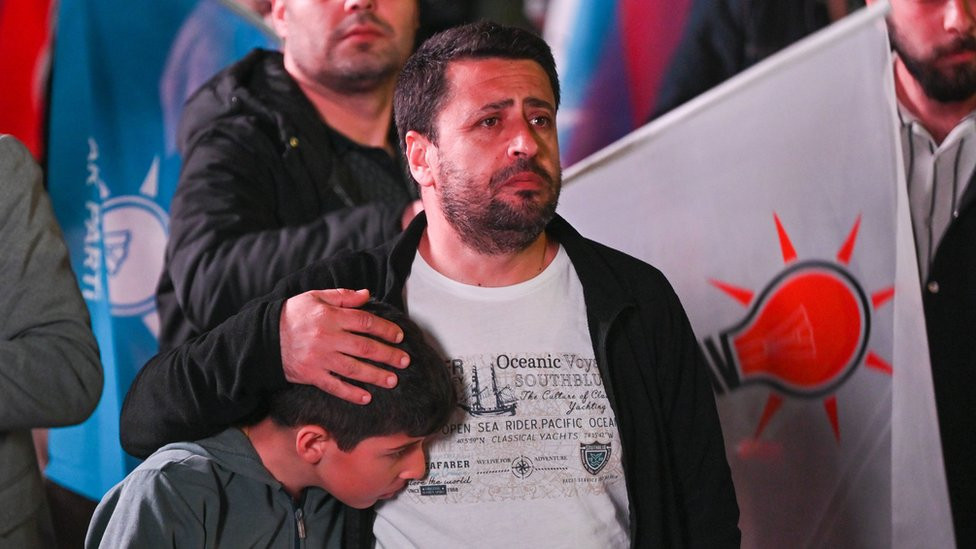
(804, 334)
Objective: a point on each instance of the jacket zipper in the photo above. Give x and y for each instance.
(300, 524)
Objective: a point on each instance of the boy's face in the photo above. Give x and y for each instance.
(377, 468)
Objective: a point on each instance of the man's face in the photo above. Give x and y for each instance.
(935, 40)
(346, 45)
(377, 468)
(497, 173)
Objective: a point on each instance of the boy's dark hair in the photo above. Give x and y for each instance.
(420, 404)
(421, 89)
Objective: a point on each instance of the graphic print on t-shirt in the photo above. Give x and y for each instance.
(534, 442)
(529, 426)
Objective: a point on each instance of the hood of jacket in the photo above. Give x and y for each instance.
(231, 448)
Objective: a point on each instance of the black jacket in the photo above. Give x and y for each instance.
(678, 479)
(724, 37)
(266, 189)
(949, 298)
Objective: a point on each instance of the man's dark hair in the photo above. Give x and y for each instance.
(419, 405)
(421, 89)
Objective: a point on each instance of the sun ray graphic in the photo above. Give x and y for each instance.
(805, 333)
(135, 229)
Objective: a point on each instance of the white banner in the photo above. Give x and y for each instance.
(775, 204)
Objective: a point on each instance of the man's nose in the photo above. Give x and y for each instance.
(356, 5)
(523, 142)
(959, 16)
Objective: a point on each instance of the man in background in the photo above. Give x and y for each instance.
(50, 374)
(288, 158)
(725, 37)
(935, 83)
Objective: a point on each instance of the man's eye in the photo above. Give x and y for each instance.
(542, 121)
(490, 122)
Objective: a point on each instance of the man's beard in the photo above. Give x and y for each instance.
(364, 69)
(945, 86)
(490, 225)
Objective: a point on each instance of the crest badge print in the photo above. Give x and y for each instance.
(594, 456)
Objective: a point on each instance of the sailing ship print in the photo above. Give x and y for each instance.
(489, 400)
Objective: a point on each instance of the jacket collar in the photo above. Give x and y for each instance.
(603, 290)
(400, 260)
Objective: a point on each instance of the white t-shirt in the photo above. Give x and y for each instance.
(533, 459)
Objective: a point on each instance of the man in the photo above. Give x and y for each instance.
(935, 82)
(588, 418)
(725, 37)
(276, 482)
(49, 366)
(287, 158)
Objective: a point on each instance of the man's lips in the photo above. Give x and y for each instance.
(962, 49)
(524, 180)
(957, 56)
(363, 31)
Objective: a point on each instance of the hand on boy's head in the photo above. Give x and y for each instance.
(321, 335)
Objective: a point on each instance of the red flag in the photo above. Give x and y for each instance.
(25, 38)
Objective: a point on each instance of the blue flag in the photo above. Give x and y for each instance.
(122, 70)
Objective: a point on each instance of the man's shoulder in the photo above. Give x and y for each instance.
(595, 255)
(239, 90)
(252, 70)
(17, 167)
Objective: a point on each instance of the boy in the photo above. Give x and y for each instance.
(281, 481)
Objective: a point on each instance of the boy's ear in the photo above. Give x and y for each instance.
(312, 443)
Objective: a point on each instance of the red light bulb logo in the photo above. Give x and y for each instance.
(805, 334)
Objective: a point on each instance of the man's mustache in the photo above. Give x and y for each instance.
(521, 165)
(960, 45)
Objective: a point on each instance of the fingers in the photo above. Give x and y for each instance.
(326, 378)
(322, 338)
(342, 297)
(355, 320)
(353, 368)
(340, 389)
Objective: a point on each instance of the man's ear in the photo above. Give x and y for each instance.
(277, 18)
(420, 151)
(313, 443)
